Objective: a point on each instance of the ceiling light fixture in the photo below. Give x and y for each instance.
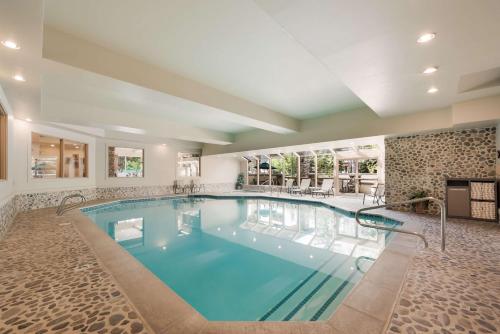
(52, 145)
(11, 45)
(424, 38)
(432, 90)
(430, 70)
(28, 119)
(19, 77)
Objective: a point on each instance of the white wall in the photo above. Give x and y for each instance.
(160, 162)
(219, 170)
(24, 183)
(7, 186)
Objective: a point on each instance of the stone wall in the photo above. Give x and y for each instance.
(424, 161)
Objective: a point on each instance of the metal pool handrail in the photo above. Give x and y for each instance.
(61, 209)
(442, 207)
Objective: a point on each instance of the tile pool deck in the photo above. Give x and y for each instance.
(58, 277)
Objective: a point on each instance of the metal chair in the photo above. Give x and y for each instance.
(377, 193)
(304, 187)
(326, 188)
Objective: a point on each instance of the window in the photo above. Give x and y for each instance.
(368, 166)
(45, 155)
(53, 157)
(347, 166)
(74, 159)
(3, 143)
(125, 162)
(325, 165)
(188, 164)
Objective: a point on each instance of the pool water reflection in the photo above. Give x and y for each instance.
(247, 259)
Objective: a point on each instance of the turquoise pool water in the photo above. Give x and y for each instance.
(247, 259)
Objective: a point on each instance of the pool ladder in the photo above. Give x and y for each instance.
(61, 209)
(442, 207)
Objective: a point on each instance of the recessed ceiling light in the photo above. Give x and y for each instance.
(28, 119)
(430, 70)
(426, 37)
(19, 77)
(11, 45)
(77, 146)
(432, 90)
(52, 145)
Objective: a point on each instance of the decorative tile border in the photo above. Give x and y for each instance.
(40, 200)
(8, 211)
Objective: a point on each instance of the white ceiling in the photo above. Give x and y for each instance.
(233, 46)
(371, 46)
(21, 22)
(62, 82)
(301, 58)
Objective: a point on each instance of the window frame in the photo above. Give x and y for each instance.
(60, 173)
(107, 146)
(366, 159)
(177, 176)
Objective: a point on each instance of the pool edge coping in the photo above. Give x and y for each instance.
(167, 311)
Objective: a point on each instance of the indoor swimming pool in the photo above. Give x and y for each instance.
(247, 259)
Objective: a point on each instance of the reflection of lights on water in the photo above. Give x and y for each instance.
(254, 239)
(352, 268)
(218, 229)
(279, 246)
(163, 247)
(311, 256)
(234, 233)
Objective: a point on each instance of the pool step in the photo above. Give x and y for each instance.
(306, 295)
(329, 295)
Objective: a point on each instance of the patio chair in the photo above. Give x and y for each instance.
(287, 186)
(377, 192)
(304, 187)
(326, 188)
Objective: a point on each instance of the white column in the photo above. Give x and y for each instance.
(315, 168)
(298, 168)
(258, 170)
(335, 172)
